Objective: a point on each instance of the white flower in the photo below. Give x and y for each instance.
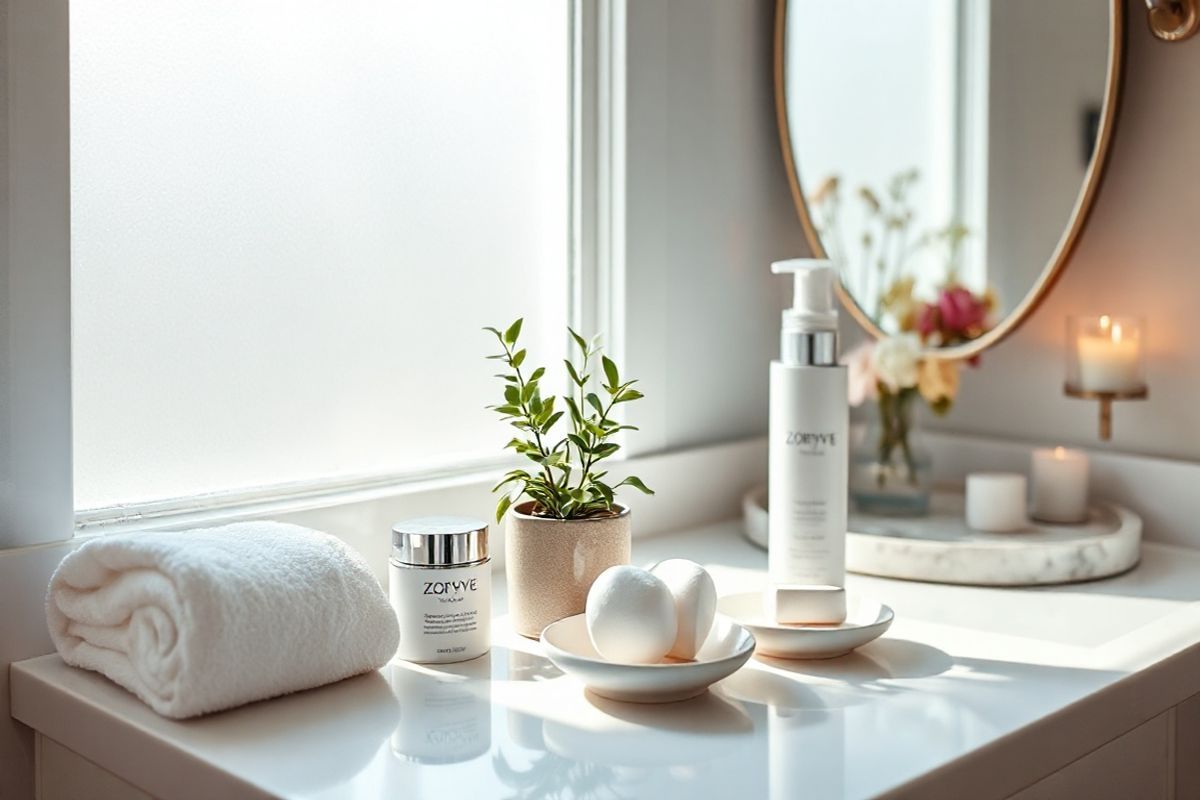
(896, 361)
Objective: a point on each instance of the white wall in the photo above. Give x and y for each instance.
(35, 442)
(707, 210)
(35, 325)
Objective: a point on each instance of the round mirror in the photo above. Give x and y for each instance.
(945, 153)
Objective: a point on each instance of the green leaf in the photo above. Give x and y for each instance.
(538, 491)
(512, 395)
(610, 372)
(594, 400)
(605, 450)
(576, 417)
(580, 443)
(579, 340)
(603, 490)
(507, 410)
(507, 480)
(502, 506)
(537, 374)
(518, 358)
(527, 393)
(571, 371)
(629, 395)
(514, 330)
(491, 329)
(548, 424)
(637, 484)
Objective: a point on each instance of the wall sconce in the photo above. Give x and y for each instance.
(1106, 362)
(1173, 20)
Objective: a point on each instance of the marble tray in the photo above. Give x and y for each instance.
(941, 548)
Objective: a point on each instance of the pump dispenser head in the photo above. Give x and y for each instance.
(812, 299)
(809, 335)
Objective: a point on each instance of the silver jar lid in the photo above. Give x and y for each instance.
(440, 541)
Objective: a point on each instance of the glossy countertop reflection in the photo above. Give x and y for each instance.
(967, 678)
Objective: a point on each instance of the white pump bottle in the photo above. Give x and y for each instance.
(809, 424)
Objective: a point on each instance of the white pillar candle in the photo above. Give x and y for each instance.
(1109, 361)
(1060, 485)
(996, 501)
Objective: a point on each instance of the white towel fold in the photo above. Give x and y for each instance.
(198, 621)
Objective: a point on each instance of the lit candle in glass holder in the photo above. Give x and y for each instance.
(1109, 354)
(1105, 362)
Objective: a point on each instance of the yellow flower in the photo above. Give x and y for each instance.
(827, 189)
(937, 381)
(991, 300)
(870, 199)
(900, 303)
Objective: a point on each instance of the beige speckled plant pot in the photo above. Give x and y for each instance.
(551, 563)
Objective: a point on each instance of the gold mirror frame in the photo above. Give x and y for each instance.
(1066, 243)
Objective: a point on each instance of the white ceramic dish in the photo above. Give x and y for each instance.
(866, 620)
(569, 647)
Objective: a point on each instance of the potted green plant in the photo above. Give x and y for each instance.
(565, 526)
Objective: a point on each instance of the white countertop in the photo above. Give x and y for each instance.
(973, 692)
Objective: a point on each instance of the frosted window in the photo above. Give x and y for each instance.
(290, 221)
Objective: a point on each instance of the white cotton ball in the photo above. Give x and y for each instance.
(695, 603)
(631, 616)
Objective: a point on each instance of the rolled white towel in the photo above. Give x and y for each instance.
(198, 621)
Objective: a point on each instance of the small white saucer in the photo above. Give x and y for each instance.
(866, 620)
(569, 647)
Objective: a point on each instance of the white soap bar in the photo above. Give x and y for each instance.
(813, 605)
(631, 616)
(695, 603)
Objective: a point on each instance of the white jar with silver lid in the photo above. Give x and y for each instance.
(440, 583)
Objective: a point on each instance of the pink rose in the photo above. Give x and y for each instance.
(861, 375)
(961, 311)
(927, 320)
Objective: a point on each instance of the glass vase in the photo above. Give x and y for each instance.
(891, 472)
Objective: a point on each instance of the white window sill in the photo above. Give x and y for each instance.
(692, 487)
